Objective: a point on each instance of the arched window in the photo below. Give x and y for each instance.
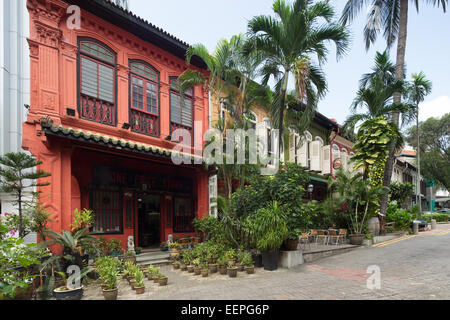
(97, 82)
(319, 139)
(252, 118)
(308, 136)
(181, 113)
(335, 147)
(144, 98)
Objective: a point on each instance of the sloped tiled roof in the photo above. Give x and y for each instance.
(97, 138)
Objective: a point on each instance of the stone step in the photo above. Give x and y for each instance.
(153, 258)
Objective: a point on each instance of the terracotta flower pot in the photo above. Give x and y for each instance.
(232, 272)
(183, 267)
(356, 239)
(197, 271)
(133, 283)
(240, 267)
(204, 273)
(140, 290)
(163, 281)
(190, 268)
(110, 294)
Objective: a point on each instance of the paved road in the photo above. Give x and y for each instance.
(412, 267)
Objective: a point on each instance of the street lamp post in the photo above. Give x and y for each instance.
(310, 190)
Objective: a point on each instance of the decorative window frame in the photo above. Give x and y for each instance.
(190, 95)
(130, 93)
(81, 53)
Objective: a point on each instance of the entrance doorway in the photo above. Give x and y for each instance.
(149, 220)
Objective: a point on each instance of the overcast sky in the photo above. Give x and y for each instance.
(428, 44)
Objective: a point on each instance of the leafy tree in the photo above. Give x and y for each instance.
(390, 18)
(18, 175)
(401, 192)
(287, 43)
(434, 148)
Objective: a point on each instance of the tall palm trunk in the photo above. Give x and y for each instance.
(419, 200)
(281, 116)
(399, 72)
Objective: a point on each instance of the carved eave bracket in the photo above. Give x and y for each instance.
(47, 35)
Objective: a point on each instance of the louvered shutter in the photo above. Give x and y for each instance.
(89, 77)
(175, 108)
(335, 154)
(292, 151)
(316, 159)
(302, 153)
(186, 113)
(326, 162)
(106, 83)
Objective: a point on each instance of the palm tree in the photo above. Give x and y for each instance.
(417, 90)
(376, 94)
(391, 18)
(287, 43)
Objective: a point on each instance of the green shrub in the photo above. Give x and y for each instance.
(401, 217)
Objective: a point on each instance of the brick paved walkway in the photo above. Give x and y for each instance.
(414, 268)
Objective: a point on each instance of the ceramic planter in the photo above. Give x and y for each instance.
(110, 294)
(232, 272)
(140, 290)
(63, 293)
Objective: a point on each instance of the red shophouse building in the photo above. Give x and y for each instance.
(103, 110)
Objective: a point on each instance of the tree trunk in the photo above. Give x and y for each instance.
(281, 116)
(399, 72)
(418, 165)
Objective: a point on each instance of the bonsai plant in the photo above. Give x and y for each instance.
(269, 226)
(68, 291)
(140, 286)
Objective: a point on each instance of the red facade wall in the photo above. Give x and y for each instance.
(53, 89)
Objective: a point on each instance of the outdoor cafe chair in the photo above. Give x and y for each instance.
(313, 234)
(341, 235)
(304, 239)
(322, 234)
(333, 235)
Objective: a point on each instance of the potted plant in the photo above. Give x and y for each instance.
(176, 265)
(139, 278)
(222, 265)
(138, 250)
(205, 270)
(359, 198)
(230, 256)
(114, 247)
(164, 246)
(232, 270)
(162, 279)
(110, 280)
(196, 263)
(248, 263)
(129, 256)
(67, 291)
(291, 243)
(212, 267)
(269, 226)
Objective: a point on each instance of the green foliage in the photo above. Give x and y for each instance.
(434, 148)
(114, 245)
(439, 217)
(401, 192)
(139, 277)
(18, 175)
(16, 258)
(108, 269)
(81, 219)
(269, 227)
(401, 217)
